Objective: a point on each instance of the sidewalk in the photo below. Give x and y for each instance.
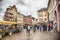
(33, 36)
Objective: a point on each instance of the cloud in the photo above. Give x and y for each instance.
(0, 9)
(21, 2)
(27, 7)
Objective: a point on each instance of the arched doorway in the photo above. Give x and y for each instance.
(55, 15)
(58, 17)
(59, 12)
(59, 9)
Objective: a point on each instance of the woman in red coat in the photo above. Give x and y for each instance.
(48, 26)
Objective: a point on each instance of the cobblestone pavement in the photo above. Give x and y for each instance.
(33, 36)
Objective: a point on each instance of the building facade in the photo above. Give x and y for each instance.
(34, 20)
(56, 12)
(20, 17)
(50, 7)
(11, 14)
(54, 7)
(27, 19)
(43, 15)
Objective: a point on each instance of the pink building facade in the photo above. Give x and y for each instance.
(56, 10)
(27, 19)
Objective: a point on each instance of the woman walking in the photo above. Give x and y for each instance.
(34, 28)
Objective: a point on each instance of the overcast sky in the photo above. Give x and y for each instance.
(27, 7)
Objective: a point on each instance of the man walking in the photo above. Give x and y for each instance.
(29, 26)
(55, 27)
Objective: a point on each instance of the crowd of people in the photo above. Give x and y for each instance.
(40, 27)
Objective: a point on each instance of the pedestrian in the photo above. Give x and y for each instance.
(21, 28)
(51, 26)
(29, 27)
(44, 27)
(26, 26)
(48, 26)
(55, 27)
(37, 27)
(40, 27)
(34, 28)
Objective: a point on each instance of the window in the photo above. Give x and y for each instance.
(45, 19)
(41, 19)
(11, 13)
(40, 15)
(45, 15)
(36, 19)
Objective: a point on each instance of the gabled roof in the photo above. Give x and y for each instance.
(42, 9)
(49, 2)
